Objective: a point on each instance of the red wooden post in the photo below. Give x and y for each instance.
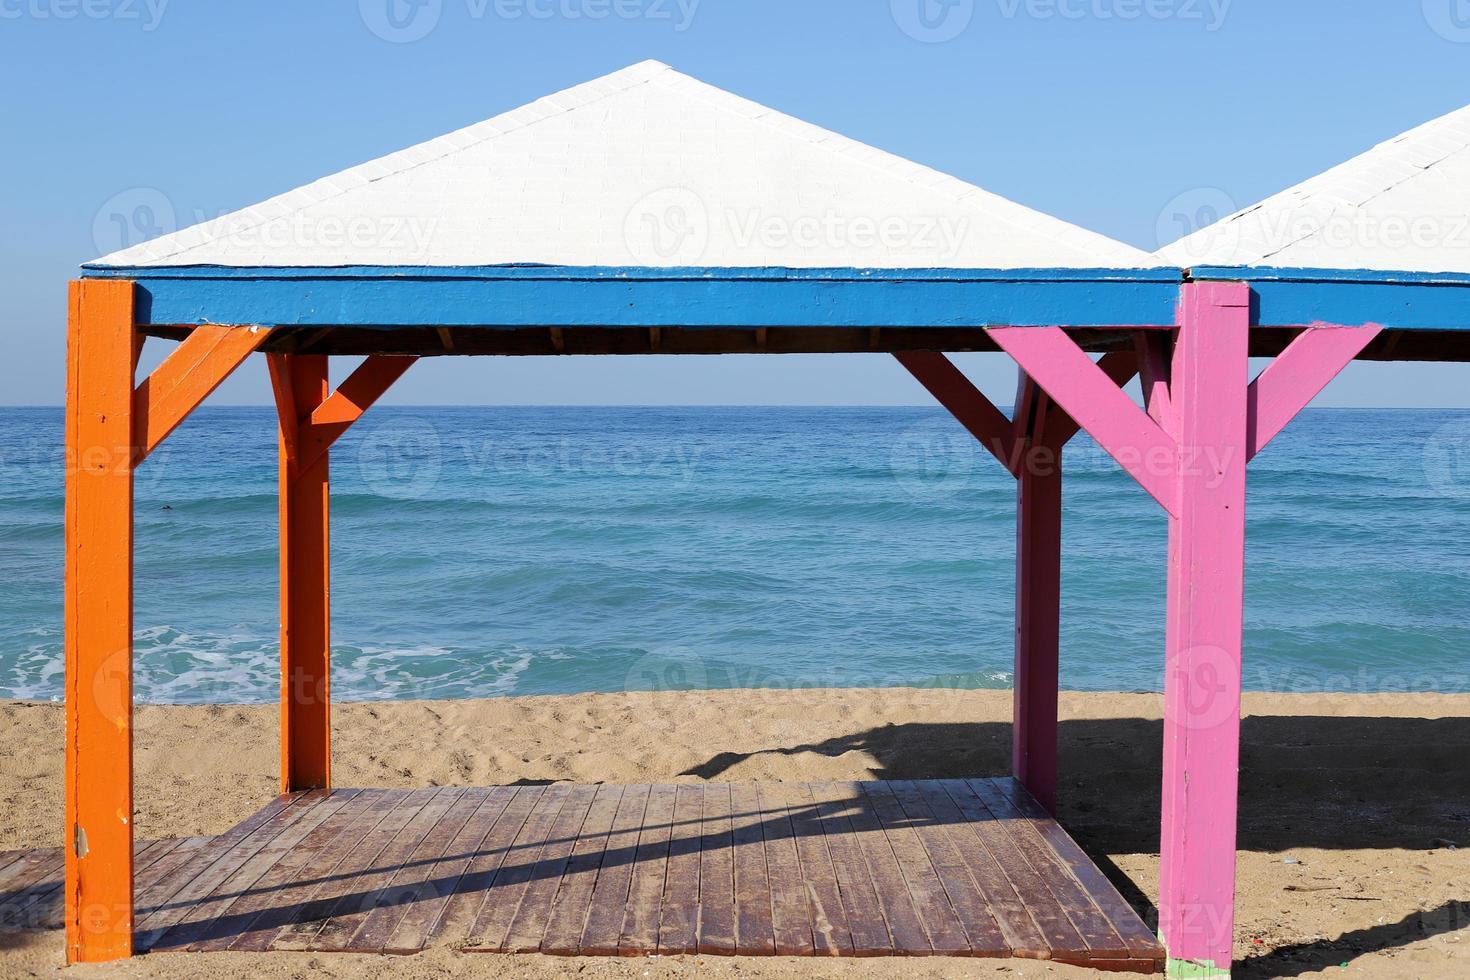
(98, 843)
(1038, 597)
(300, 383)
(1203, 657)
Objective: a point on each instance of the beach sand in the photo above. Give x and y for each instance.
(1362, 793)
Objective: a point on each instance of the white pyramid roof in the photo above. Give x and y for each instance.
(643, 167)
(1404, 206)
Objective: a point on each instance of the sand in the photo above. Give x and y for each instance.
(1363, 793)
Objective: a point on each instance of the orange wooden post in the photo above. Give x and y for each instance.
(99, 621)
(301, 385)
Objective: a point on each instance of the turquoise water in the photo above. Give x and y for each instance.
(499, 551)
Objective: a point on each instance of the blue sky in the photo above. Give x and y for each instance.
(1118, 115)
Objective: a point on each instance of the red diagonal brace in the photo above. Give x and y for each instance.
(965, 402)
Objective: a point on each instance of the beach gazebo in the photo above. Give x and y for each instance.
(648, 213)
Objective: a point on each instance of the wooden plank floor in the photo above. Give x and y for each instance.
(939, 867)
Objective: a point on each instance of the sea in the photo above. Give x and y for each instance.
(488, 552)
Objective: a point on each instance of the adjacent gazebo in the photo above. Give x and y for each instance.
(645, 212)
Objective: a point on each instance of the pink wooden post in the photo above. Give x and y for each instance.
(1203, 657)
(1038, 595)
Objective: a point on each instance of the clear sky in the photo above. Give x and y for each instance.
(1118, 115)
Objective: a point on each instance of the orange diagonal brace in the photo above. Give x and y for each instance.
(197, 366)
(353, 397)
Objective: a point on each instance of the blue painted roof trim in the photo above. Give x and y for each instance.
(536, 295)
(1353, 297)
(519, 296)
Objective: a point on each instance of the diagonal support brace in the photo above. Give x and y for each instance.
(965, 402)
(1297, 375)
(198, 366)
(314, 434)
(1090, 396)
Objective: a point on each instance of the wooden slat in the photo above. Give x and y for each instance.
(357, 853)
(755, 933)
(163, 875)
(830, 935)
(640, 920)
(416, 881)
(529, 925)
(284, 893)
(1019, 930)
(450, 872)
(1124, 920)
(1102, 941)
(214, 862)
(678, 928)
(871, 935)
(374, 888)
(10, 864)
(946, 934)
(904, 922)
(39, 878)
(503, 898)
(956, 867)
(1059, 935)
(568, 917)
(476, 883)
(608, 904)
(204, 918)
(716, 875)
(791, 923)
(982, 930)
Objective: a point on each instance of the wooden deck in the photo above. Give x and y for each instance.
(948, 867)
